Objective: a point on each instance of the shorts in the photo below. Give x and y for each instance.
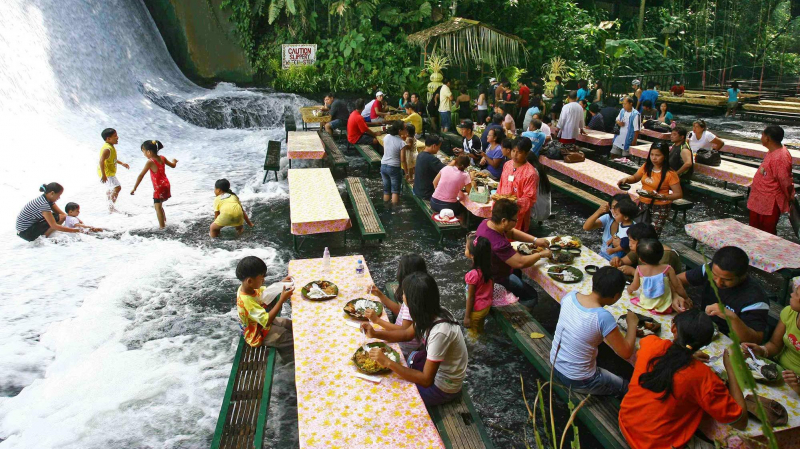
(445, 120)
(392, 179)
(478, 318)
(223, 220)
(280, 334)
(338, 124)
(112, 183)
(433, 395)
(438, 205)
(557, 106)
(617, 151)
(602, 383)
(732, 105)
(35, 231)
(365, 139)
(159, 200)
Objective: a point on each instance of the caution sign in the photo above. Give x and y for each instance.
(294, 54)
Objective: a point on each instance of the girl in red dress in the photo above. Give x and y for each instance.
(156, 165)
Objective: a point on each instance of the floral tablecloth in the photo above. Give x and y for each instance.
(779, 392)
(727, 171)
(304, 145)
(381, 135)
(315, 205)
(335, 409)
(598, 138)
(308, 115)
(593, 174)
(767, 252)
(483, 210)
(752, 149)
(654, 134)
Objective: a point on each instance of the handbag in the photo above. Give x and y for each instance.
(553, 151)
(708, 157)
(775, 411)
(571, 154)
(646, 215)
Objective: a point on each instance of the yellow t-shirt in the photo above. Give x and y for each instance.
(416, 120)
(253, 318)
(230, 210)
(789, 358)
(110, 163)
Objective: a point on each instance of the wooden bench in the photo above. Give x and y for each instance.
(755, 164)
(599, 415)
(425, 206)
(244, 408)
(334, 153)
(690, 257)
(289, 123)
(713, 192)
(272, 163)
(371, 156)
(458, 423)
(369, 224)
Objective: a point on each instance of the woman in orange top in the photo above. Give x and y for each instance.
(658, 179)
(673, 390)
(519, 178)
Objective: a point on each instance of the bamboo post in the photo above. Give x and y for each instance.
(641, 20)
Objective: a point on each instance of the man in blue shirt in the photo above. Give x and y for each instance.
(650, 94)
(583, 92)
(536, 135)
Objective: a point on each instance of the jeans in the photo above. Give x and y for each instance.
(527, 295)
(392, 178)
(445, 119)
(338, 124)
(438, 205)
(603, 383)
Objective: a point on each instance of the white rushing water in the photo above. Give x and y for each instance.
(105, 341)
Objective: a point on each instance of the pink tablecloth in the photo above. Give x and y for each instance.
(788, 436)
(752, 149)
(304, 145)
(654, 134)
(335, 408)
(727, 171)
(483, 210)
(315, 205)
(592, 174)
(767, 252)
(598, 138)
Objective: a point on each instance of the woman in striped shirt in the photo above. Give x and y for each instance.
(42, 216)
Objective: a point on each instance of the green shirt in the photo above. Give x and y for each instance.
(558, 92)
(789, 358)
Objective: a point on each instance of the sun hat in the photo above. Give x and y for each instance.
(378, 94)
(446, 216)
(447, 213)
(636, 82)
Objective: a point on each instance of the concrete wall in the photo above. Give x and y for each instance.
(201, 40)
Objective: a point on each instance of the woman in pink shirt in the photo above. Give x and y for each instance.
(773, 188)
(448, 184)
(519, 178)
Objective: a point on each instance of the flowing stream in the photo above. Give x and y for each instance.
(125, 339)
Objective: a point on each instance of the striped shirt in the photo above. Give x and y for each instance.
(32, 213)
(579, 332)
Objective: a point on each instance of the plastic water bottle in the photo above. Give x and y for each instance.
(360, 270)
(326, 261)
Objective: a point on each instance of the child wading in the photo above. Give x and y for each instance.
(107, 169)
(482, 292)
(72, 221)
(228, 210)
(258, 311)
(157, 166)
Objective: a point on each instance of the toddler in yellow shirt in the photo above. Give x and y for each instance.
(253, 300)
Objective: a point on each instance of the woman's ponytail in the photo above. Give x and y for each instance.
(152, 146)
(224, 185)
(694, 330)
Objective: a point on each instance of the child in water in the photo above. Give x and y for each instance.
(258, 319)
(482, 292)
(72, 220)
(659, 282)
(228, 210)
(157, 166)
(107, 168)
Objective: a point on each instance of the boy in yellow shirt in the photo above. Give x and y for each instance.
(413, 118)
(259, 326)
(107, 169)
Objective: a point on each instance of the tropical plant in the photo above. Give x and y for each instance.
(435, 64)
(513, 75)
(556, 67)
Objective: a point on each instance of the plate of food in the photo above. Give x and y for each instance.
(565, 274)
(497, 197)
(764, 370)
(320, 290)
(368, 366)
(647, 325)
(561, 257)
(567, 242)
(357, 308)
(646, 194)
(527, 249)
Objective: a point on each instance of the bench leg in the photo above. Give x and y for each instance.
(675, 215)
(265, 177)
(294, 241)
(290, 163)
(684, 216)
(694, 243)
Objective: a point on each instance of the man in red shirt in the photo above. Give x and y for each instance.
(772, 189)
(376, 113)
(357, 130)
(523, 102)
(677, 89)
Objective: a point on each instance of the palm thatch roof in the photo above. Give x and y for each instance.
(466, 41)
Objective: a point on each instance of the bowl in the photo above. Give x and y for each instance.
(555, 248)
(625, 187)
(590, 269)
(575, 251)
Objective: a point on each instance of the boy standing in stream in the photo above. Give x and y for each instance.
(107, 169)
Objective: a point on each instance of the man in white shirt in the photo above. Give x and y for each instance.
(445, 105)
(629, 125)
(571, 123)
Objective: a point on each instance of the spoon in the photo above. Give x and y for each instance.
(364, 341)
(756, 360)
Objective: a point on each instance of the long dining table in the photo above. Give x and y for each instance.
(788, 436)
(335, 408)
(727, 171)
(592, 174)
